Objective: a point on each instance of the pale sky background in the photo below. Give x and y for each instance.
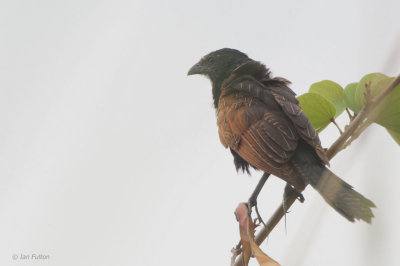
(109, 153)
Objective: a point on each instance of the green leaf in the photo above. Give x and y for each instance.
(395, 135)
(331, 91)
(349, 97)
(388, 112)
(373, 79)
(319, 110)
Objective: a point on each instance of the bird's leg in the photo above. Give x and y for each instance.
(289, 190)
(252, 202)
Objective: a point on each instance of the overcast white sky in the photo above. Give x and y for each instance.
(109, 153)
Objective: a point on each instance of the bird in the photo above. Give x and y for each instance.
(261, 122)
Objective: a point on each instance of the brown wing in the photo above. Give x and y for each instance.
(275, 92)
(268, 143)
(290, 106)
(260, 133)
(262, 136)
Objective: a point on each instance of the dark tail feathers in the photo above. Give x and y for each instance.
(341, 196)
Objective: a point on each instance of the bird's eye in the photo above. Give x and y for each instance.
(210, 60)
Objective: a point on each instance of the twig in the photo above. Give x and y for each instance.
(337, 126)
(353, 131)
(349, 114)
(358, 132)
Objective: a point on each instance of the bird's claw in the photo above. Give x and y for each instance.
(300, 197)
(290, 190)
(253, 203)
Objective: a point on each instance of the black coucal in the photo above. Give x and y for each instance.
(260, 121)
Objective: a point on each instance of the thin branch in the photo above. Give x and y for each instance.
(356, 127)
(351, 117)
(358, 132)
(337, 126)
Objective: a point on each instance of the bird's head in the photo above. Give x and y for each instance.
(217, 66)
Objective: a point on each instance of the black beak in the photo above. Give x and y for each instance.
(197, 69)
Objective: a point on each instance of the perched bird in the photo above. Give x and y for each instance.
(259, 119)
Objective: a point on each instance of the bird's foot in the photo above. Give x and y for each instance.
(253, 203)
(289, 190)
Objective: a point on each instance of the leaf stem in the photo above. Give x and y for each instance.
(349, 114)
(337, 126)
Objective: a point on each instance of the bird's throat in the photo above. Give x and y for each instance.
(216, 92)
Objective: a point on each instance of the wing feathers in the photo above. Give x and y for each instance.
(271, 140)
(300, 120)
(267, 119)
